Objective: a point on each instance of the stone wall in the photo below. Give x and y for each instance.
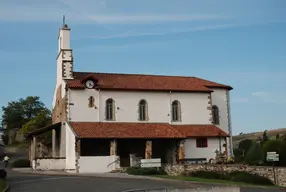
(280, 172)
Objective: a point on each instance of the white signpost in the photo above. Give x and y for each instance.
(150, 163)
(272, 157)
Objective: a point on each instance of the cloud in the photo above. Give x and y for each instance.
(240, 100)
(268, 97)
(93, 12)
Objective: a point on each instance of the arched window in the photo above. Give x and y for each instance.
(143, 110)
(91, 101)
(109, 109)
(215, 112)
(176, 111)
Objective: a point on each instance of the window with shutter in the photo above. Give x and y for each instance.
(202, 142)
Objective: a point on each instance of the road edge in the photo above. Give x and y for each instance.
(137, 177)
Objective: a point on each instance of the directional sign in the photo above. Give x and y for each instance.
(272, 156)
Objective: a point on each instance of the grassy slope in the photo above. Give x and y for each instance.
(255, 135)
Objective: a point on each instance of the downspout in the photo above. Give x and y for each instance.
(170, 107)
(98, 101)
(229, 123)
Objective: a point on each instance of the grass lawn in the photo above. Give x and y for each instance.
(3, 184)
(203, 180)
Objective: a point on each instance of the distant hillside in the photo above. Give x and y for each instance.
(271, 133)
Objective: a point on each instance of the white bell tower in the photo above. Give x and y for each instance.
(65, 57)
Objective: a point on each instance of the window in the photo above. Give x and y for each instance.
(109, 109)
(176, 111)
(202, 142)
(215, 113)
(143, 109)
(91, 101)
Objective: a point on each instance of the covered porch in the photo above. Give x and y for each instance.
(106, 147)
(48, 156)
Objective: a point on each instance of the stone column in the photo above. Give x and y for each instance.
(54, 142)
(77, 154)
(148, 150)
(181, 151)
(113, 147)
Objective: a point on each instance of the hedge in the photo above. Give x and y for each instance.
(145, 171)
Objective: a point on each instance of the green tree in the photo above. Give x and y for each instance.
(265, 137)
(277, 136)
(17, 113)
(277, 146)
(245, 145)
(42, 119)
(254, 155)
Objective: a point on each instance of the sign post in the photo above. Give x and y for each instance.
(272, 157)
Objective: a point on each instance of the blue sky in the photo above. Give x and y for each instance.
(240, 42)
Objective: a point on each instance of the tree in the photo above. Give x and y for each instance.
(254, 155)
(277, 136)
(245, 145)
(17, 113)
(265, 137)
(42, 119)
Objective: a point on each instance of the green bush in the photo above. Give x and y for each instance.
(241, 176)
(209, 175)
(145, 171)
(21, 163)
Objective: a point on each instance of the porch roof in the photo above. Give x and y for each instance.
(44, 129)
(124, 130)
(143, 130)
(200, 130)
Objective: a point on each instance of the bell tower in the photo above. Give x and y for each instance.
(65, 57)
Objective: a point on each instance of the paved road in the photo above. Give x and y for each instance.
(43, 183)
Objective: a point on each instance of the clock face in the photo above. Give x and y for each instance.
(89, 84)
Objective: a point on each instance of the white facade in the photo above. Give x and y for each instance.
(193, 106)
(192, 151)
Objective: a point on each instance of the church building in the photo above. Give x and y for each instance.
(103, 122)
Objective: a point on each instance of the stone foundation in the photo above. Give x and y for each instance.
(280, 172)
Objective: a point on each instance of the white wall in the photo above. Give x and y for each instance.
(49, 164)
(191, 150)
(98, 164)
(70, 148)
(220, 99)
(193, 106)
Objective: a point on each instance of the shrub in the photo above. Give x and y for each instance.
(241, 176)
(21, 163)
(3, 174)
(209, 175)
(145, 171)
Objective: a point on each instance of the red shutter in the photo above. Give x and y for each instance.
(197, 141)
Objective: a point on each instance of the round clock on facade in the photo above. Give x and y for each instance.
(89, 84)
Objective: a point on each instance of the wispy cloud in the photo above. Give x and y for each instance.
(269, 97)
(240, 100)
(76, 11)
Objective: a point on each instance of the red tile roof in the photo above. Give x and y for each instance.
(142, 130)
(144, 82)
(200, 130)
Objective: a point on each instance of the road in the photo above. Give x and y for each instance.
(44, 183)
